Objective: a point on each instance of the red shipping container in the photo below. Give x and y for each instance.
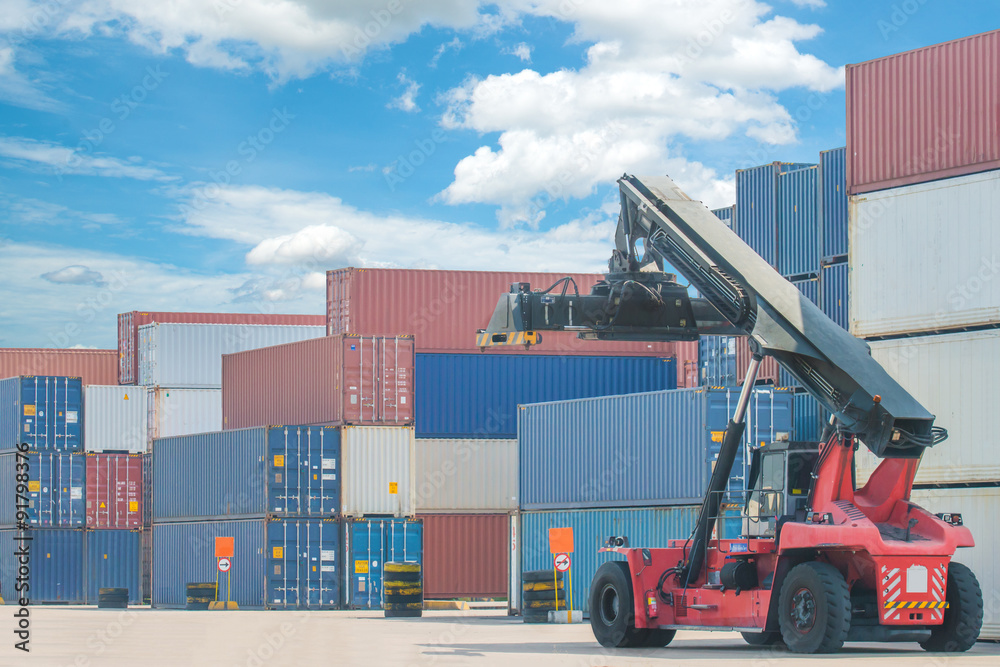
(687, 364)
(766, 374)
(444, 309)
(114, 491)
(91, 366)
(129, 323)
(333, 380)
(924, 115)
(466, 555)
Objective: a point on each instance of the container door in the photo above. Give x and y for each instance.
(359, 380)
(51, 415)
(57, 562)
(113, 561)
(55, 490)
(396, 385)
(319, 565)
(403, 543)
(282, 556)
(322, 475)
(365, 564)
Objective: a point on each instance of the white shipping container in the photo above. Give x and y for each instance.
(377, 471)
(925, 257)
(954, 376)
(979, 509)
(115, 418)
(466, 475)
(183, 411)
(190, 355)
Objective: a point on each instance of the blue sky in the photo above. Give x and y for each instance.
(191, 155)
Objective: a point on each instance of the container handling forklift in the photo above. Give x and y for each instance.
(819, 561)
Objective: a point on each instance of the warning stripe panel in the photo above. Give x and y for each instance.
(903, 604)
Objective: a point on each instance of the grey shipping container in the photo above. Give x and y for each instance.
(251, 472)
(637, 450)
(190, 355)
(183, 411)
(41, 412)
(116, 418)
(466, 475)
(277, 564)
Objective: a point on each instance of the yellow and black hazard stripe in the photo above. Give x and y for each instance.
(901, 604)
(486, 339)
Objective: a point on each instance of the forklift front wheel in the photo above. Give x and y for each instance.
(761, 638)
(612, 609)
(814, 609)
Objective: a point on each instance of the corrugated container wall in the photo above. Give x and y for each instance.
(937, 240)
(174, 412)
(114, 491)
(717, 361)
(378, 474)
(56, 486)
(113, 561)
(129, 323)
(244, 473)
(190, 355)
(115, 418)
(43, 412)
(476, 395)
(811, 290)
(466, 555)
(799, 235)
(979, 509)
(277, 564)
(91, 366)
(686, 359)
(651, 527)
(834, 298)
(466, 475)
(328, 380)
(56, 569)
(725, 214)
(444, 309)
(924, 115)
(954, 376)
(757, 207)
(574, 453)
(809, 418)
(769, 371)
(833, 204)
(368, 545)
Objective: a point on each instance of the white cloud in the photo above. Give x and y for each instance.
(75, 274)
(321, 243)
(17, 89)
(455, 45)
(522, 51)
(30, 153)
(408, 100)
(811, 4)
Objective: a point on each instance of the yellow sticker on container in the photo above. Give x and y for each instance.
(29, 410)
(717, 436)
(393, 488)
(279, 461)
(133, 506)
(34, 486)
(360, 567)
(278, 552)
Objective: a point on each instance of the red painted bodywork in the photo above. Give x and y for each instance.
(853, 543)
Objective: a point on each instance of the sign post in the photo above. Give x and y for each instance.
(561, 545)
(224, 548)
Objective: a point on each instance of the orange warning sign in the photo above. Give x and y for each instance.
(561, 540)
(224, 547)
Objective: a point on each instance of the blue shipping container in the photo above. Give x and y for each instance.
(56, 489)
(756, 219)
(648, 527)
(811, 290)
(638, 450)
(834, 288)
(43, 412)
(244, 473)
(725, 214)
(717, 361)
(55, 566)
(276, 564)
(809, 418)
(112, 561)
(833, 192)
(369, 544)
(799, 234)
(476, 395)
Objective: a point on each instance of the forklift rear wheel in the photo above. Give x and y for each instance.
(761, 638)
(612, 611)
(814, 609)
(963, 619)
(658, 638)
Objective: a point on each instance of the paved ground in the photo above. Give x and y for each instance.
(82, 636)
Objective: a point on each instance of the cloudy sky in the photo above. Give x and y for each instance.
(222, 154)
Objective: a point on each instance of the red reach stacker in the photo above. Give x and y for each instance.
(818, 561)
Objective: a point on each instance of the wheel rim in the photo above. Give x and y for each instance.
(610, 604)
(803, 610)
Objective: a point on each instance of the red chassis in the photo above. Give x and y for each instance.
(893, 556)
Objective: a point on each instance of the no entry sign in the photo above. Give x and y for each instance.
(561, 562)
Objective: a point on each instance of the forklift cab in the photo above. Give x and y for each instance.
(780, 481)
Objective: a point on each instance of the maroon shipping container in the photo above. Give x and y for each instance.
(332, 380)
(114, 491)
(924, 115)
(91, 366)
(766, 374)
(444, 309)
(466, 555)
(129, 323)
(687, 364)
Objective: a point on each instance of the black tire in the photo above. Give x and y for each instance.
(814, 609)
(400, 577)
(529, 596)
(546, 605)
(536, 586)
(761, 638)
(612, 614)
(658, 638)
(539, 576)
(963, 619)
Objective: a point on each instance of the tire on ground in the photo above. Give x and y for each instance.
(612, 614)
(814, 609)
(541, 576)
(963, 619)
